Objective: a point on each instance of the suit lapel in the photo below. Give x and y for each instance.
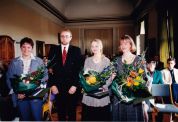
(59, 55)
(169, 76)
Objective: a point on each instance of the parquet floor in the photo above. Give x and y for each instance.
(78, 116)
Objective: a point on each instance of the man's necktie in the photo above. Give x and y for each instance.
(64, 55)
(172, 75)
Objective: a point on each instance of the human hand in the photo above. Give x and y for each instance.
(21, 96)
(103, 88)
(54, 90)
(72, 90)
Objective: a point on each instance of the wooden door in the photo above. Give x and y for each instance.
(6, 49)
(47, 48)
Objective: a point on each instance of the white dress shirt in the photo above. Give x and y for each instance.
(67, 47)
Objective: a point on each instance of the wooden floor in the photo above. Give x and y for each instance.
(166, 117)
(78, 116)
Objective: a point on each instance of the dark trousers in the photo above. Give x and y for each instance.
(7, 112)
(66, 106)
(30, 110)
(95, 113)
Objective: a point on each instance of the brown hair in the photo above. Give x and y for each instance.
(171, 59)
(130, 40)
(26, 40)
(66, 30)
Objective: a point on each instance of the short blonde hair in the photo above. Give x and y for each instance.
(99, 42)
(130, 40)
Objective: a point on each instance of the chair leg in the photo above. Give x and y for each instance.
(153, 115)
(167, 117)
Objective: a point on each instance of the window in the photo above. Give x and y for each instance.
(140, 39)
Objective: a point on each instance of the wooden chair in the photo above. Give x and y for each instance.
(174, 92)
(174, 97)
(47, 107)
(164, 91)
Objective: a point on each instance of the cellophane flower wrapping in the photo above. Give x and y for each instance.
(130, 85)
(28, 83)
(91, 80)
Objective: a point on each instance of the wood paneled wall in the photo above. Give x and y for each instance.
(75, 36)
(106, 35)
(126, 30)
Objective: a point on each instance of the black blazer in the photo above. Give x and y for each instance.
(68, 75)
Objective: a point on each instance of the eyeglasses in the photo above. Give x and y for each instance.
(65, 36)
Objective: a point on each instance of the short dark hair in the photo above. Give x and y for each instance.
(171, 59)
(26, 40)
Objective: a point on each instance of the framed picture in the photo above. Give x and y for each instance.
(40, 48)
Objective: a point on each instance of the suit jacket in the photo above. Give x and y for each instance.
(167, 76)
(67, 75)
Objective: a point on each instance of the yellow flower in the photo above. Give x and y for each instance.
(136, 83)
(91, 80)
(140, 71)
(128, 84)
(138, 78)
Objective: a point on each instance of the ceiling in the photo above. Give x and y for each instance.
(74, 11)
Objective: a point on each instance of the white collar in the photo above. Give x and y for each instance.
(67, 47)
(31, 57)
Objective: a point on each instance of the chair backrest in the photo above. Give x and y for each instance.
(162, 90)
(175, 92)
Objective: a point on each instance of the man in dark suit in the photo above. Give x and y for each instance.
(66, 61)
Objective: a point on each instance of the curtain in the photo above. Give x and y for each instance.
(165, 41)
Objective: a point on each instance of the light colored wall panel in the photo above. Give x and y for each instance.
(18, 22)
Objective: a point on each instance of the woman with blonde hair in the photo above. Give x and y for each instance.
(126, 111)
(94, 109)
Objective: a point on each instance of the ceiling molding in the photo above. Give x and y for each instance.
(97, 19)
(48, 6)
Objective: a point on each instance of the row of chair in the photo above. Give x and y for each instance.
(169, 98)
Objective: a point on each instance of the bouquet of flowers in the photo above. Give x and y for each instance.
(91, 80)
(28, 83)
(129, 85)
